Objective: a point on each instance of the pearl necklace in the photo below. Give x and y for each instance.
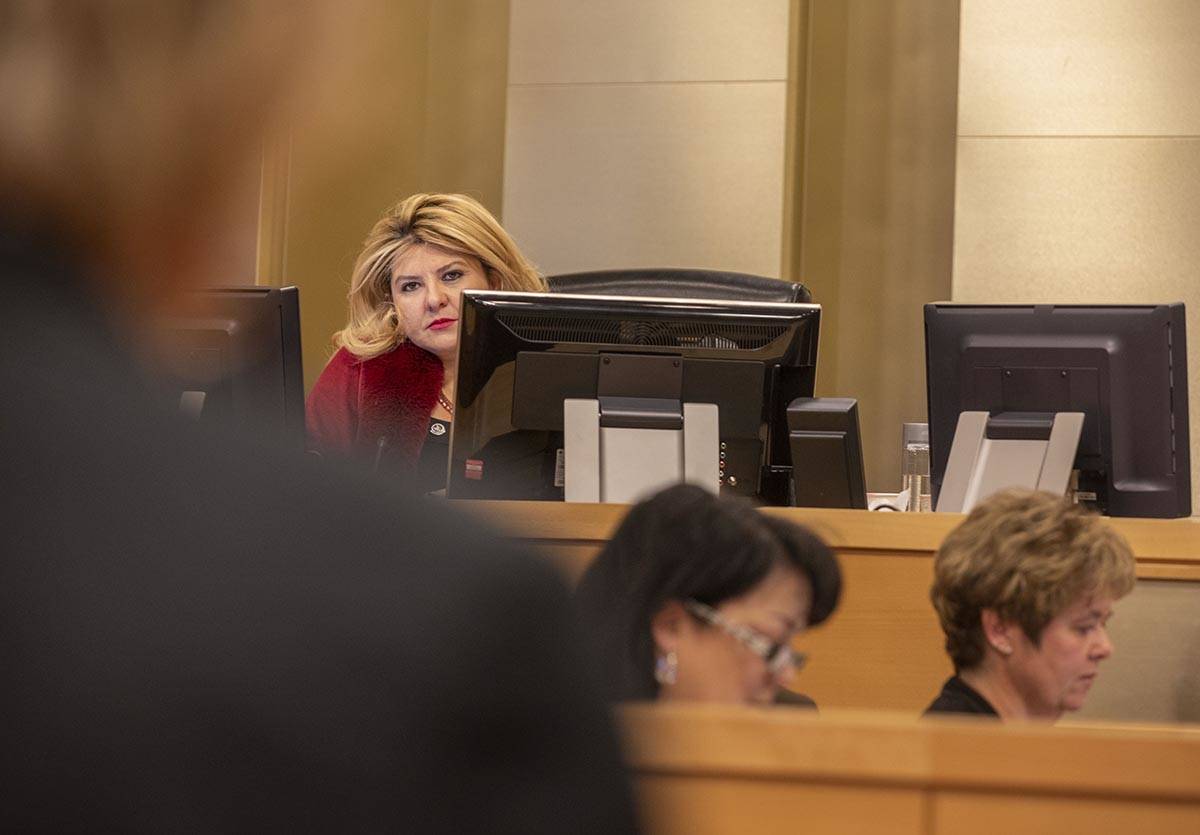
(445, 403)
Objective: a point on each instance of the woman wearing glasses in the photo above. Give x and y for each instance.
(698, 598)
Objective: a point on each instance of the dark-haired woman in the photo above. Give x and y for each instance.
(699, 598)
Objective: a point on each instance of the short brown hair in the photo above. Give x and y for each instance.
(1027, 556)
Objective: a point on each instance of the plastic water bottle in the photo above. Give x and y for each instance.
(914, 467)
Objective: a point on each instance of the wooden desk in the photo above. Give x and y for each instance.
(883, 648)
(705, 770)
(1166, 549)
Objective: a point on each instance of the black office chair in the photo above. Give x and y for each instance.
(682, 284)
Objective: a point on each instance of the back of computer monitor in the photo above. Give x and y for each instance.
(826, 447)
(522, 354)
(232, 355)
(1123, 366)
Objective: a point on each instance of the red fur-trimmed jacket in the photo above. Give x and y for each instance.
(375, 410)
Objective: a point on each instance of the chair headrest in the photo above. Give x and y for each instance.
(680, 283)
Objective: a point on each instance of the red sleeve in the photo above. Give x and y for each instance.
(331, 410)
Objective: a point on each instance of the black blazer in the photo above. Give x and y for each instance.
(199, 633)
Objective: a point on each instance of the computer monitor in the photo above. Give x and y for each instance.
(824, 435)
(231, 355)
(521, 355)
(1123, 366)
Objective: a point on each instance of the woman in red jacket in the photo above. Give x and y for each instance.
(386, 397)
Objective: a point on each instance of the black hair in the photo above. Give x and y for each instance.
(809, 553)
(682, 543)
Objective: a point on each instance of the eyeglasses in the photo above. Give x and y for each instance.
(777, 655)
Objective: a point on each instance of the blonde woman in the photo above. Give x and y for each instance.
(1024, 589)
(387, 395)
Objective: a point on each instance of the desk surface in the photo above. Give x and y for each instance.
(1165, 548)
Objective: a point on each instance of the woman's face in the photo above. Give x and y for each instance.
(713, 666)
(1056, 676)
(427, 285)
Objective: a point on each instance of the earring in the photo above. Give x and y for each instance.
(666, 668)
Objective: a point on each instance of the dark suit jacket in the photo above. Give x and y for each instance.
(198, 633)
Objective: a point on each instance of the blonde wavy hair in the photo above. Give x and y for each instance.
(1027, 556)
(453, 222)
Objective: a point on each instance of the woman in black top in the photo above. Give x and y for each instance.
(959, 697)
(1024, 589)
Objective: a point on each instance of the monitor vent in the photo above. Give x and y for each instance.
(659, 332)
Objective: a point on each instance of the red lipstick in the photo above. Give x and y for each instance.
(440, 324)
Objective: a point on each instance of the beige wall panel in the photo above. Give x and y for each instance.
(875, 230)
(417, 106)
(581, 41)
(1083, 220)
(647, 175)
(1154, 673)
(464, 121)
(1096, 67)
(357, 153)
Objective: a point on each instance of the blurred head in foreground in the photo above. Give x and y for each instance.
(1024, 589)
(218, 637)
(698, 598)
(127, 125)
